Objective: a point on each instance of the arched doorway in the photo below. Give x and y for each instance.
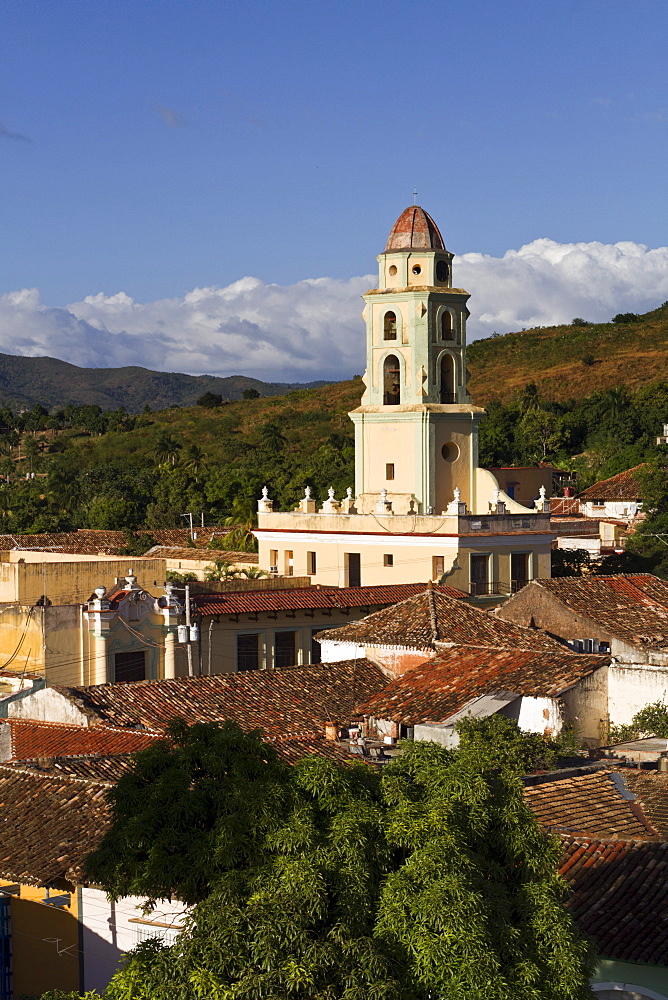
(391, 381)
(448, 394)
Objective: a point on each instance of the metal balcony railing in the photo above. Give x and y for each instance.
(516, 585)
(477, 589)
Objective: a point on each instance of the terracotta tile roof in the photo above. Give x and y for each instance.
(651, 789)
(88, 541)
(435, 690)
(204, 556)
(48, 825)
(91, 767)
(587, 803)
(620, 896)
(633, 608)
(414, 229)
(279, 702)
(249, 602)
(624, 486)
(432, 617)
(30, 738)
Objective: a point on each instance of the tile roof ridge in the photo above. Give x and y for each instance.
(433, 614)
(50, 775)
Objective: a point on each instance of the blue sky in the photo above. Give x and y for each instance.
(156, 147)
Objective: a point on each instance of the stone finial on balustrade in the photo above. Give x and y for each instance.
(456, 506)
(542, 504)
(348, 502)
(383, 506)
(307, 504)
(264, 504)
(330, 506)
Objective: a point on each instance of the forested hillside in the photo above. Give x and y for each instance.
(113, 469)
(54, 384)
(571, 362)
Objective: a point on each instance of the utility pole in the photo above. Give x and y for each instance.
(189, 648)
(189, 515)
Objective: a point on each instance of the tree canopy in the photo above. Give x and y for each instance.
(426, 880)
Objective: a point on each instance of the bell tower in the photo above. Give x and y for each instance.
(416, 432)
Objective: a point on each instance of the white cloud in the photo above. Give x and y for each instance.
(313, 329)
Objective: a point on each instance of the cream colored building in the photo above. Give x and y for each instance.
(423, 508)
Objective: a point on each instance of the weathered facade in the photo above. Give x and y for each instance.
(624, 616)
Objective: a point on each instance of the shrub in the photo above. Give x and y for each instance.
(626, 318)
(210, 399)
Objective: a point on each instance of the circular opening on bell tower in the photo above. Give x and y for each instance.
(450, 451)
(393, 269)
(417, 269)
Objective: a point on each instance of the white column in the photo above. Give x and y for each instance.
(100, 668)
(170, 655)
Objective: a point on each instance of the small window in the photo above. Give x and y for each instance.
(248, 652)
(388, 559)
(289, 562)
(441, 271)
(130, 666)
(285, 645)
(316, 654)
(389, 470)
(311, 563)
(273, 560)
(417, 269)
(390, 326)
(448, 394)
(393, 269)
(437, 567)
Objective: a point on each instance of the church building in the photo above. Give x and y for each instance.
(422, 508)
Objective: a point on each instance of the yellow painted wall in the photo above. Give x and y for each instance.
(385, 443)
(45, 943)
(25, 577)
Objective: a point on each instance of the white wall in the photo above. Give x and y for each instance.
(111, 929)
(633, 687)
(333, 652)
(47, 705)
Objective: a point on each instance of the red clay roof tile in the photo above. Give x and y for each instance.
(432, 617)
(435, 690)
(624, 486)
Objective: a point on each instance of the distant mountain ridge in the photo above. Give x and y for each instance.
(24, 382)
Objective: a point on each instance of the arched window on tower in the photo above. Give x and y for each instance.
(390, 326)
(391, 381)
(448, 394)
(446, 325)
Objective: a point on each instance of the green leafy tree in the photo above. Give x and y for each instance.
(570, 562)
(320, 881)
(652, 720)
(210, 399)
(251, 394)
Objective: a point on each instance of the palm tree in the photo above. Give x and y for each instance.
(273, 438)
(221, 569)
(167, 449)
(254, 573)
(241, 521)
(194, 460)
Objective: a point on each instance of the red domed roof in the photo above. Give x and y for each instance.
(414, 230)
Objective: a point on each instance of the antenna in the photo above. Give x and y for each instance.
(415, 196)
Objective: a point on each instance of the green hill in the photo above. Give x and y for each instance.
(25, 382)
(571, 362)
